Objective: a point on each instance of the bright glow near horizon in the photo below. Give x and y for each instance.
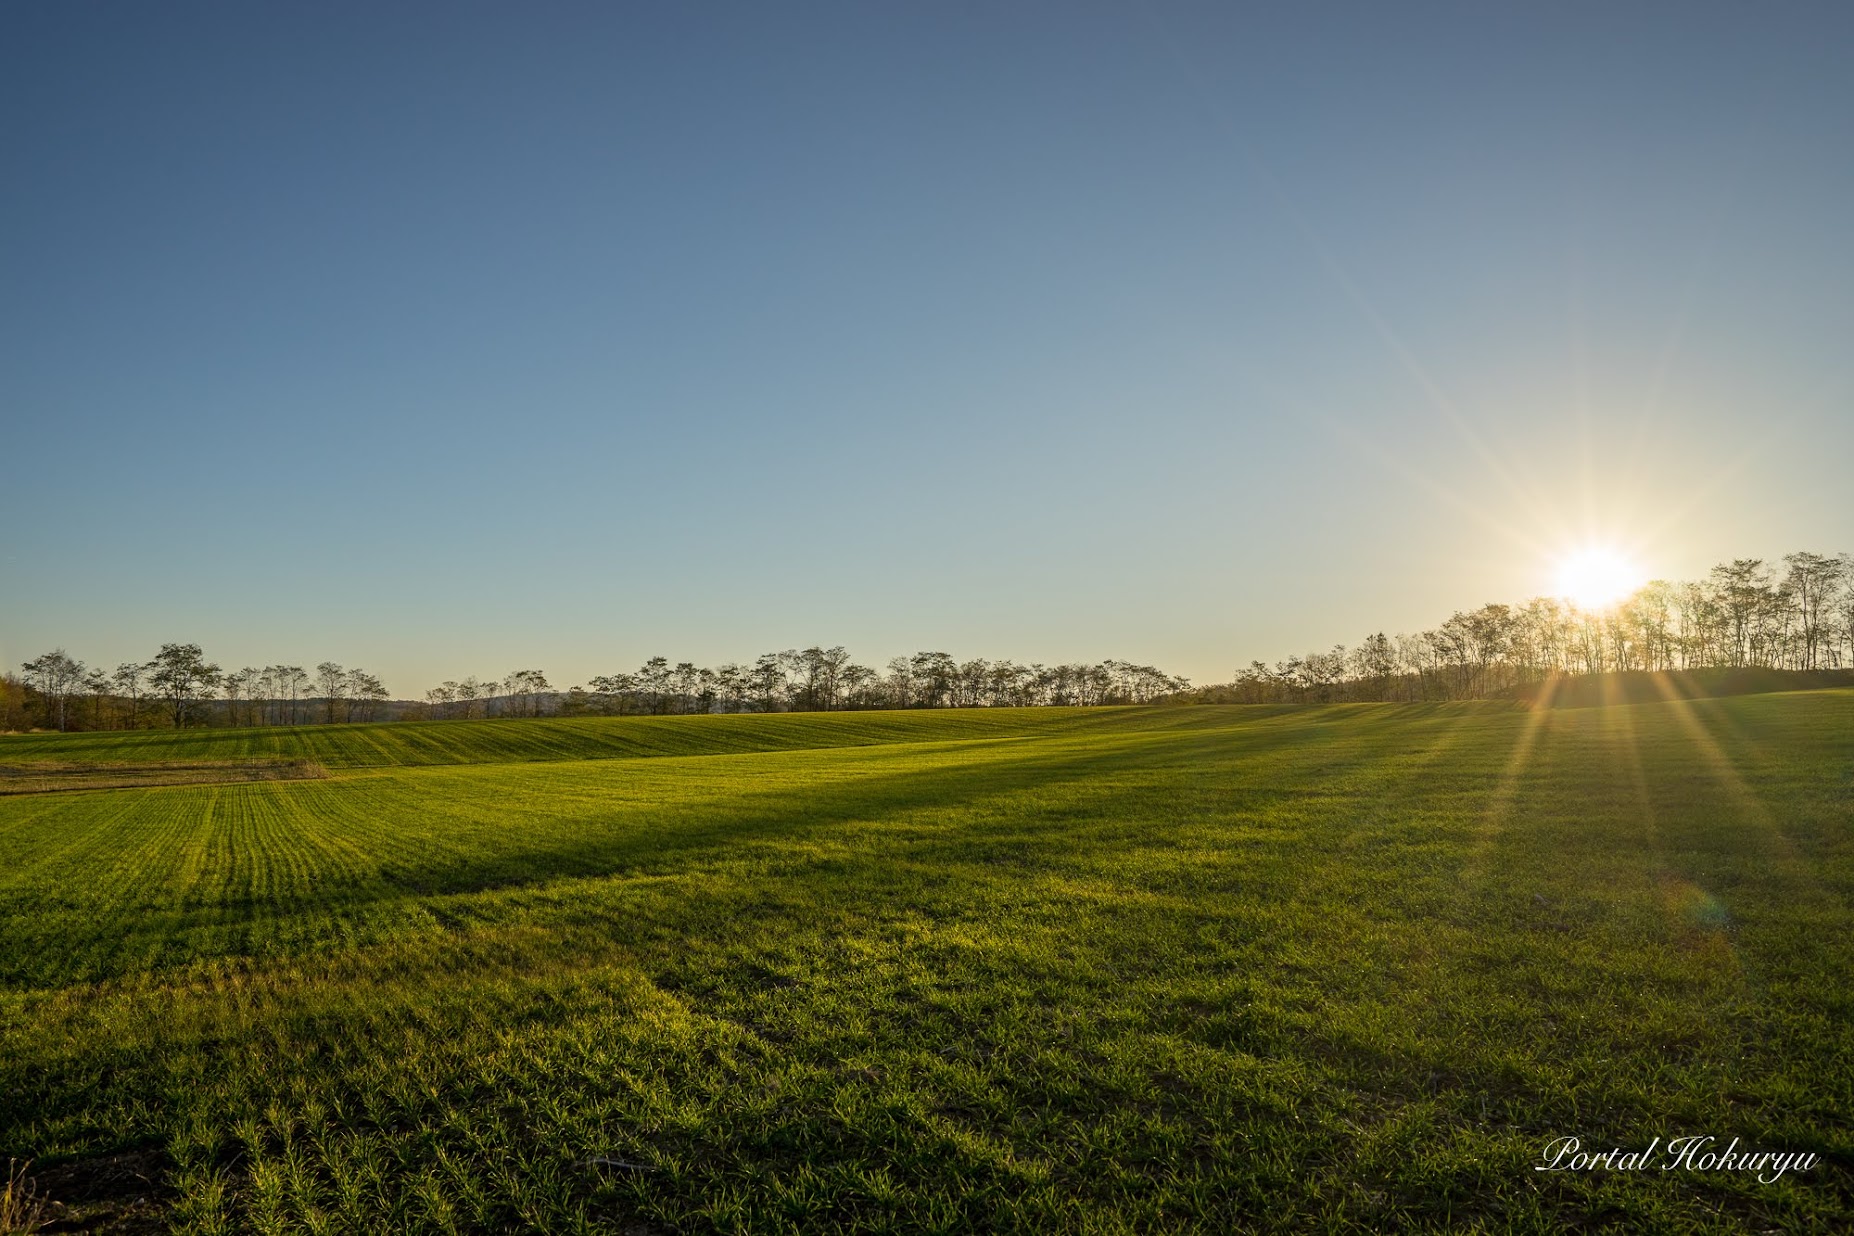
(1597, 577)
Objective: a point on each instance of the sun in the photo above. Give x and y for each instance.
(1597, 577)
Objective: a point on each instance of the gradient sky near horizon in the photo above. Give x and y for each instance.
(450, 339)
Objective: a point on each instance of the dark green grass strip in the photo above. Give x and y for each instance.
(516, 741)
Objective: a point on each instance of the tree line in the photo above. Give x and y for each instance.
(1796, 615)
(818, 679)
(815, 679)
(1746, 613)
(180, 687)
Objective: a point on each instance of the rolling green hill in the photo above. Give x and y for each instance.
(1346, 968)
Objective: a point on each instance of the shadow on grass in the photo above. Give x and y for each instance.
(1023, 806)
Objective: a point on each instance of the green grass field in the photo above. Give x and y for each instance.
(1333, 968)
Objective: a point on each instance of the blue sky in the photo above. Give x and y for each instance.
(450, 339)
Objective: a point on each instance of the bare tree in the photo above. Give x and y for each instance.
(127, 680)
(54, 675)
(1812, 586)
(934, 676)
(685, 679)
(526, 689)
(611, 693)
(364, 693)
(295, 684)
(1743, 592)
(234, 687)
(653, 680)
(767, 681)
(330, 678)
(1844, 624)
(731, 686)
(96, 686)
(181, 674)
(900, 682)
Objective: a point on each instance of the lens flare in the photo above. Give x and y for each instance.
(1597, 577)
